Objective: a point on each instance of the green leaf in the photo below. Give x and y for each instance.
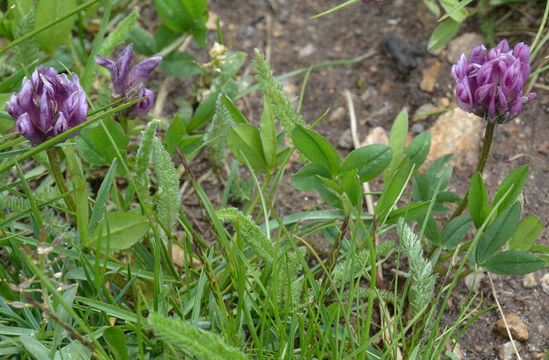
(443, 34)
(433, 7)
(174, 15)
(203, 113)
(418, 149)
(118, 35)
(307, 178)
(409, 212)
(397, 139)
(497, 234)
(80, 191)
(513, 263)
(525, 234)
(455, 9)
(143, 41)
(267, 132)
(125, 230)
(370, 161)
(102, 196)
(514, 180)
(478, 200)
(389, 197)
(168, 200)
(315, 148)
(35, 347)
(245, 142)
(233, 110)
(180, 64)
(431, 229)
(455, 231)
(46, 12)
(116, 340)
(351, 187)
(198, 9)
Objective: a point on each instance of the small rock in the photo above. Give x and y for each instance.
(418, 128)
(507, 352)
(368, 95)
(517, 327)
(529, 281)
(480, 275)
(373, 69)
(444, 102)
(402, 52)
(466, 41)
(543, 148)
(378, 135)
(538, 355)
(385, 88)
(337, 115)
(346, 140)
(459, 133)
(429, 78)
(424, 109)
(250, 31)
(545, 283)
(307, 50)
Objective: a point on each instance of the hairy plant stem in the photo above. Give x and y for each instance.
(483, 158)
(53, 157)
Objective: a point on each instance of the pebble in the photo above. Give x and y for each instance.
(424, 109)
(250, 31)
(307, 50)
(418, 128)
(517, 327)
(368, 96)
(459, 133)
(507, 352)
(378, 135)
(337, 115)
(346, 140)
(429, 77)
(545, 283)
(543, 148)
(529, 281)
(466, 41)
(385, 88)
(444, 102)
(471, 277)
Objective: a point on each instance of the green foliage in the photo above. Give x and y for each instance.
(185, 337)
(119, 231)
(167, 198)
(47, 11)
(216, 135)
(250, 233)
(273, 90)
(422, 279)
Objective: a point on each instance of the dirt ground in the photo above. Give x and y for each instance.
(381, 88)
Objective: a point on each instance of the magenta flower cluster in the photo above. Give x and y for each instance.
(47, 105)
(490, 82)
(127, 81)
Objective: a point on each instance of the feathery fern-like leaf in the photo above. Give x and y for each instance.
(144, 155)
(250, 232)
(216, 135)
(203, 344)
(274, 92)
(168, 199)
(421, 272)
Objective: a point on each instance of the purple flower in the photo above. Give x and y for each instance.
(490, 82)
(145, 105)
(127, 80)
(47, 105)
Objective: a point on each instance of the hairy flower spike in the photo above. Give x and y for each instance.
(490, 82)
(47, 105)
(127, 80)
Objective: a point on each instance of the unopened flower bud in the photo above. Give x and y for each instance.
(145, 105)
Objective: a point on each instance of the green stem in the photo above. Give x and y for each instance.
(483, 158)
(254, 202)
(53, 157)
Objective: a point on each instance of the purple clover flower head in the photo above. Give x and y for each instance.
(127, 80)
(47, 105)
(145, 105)
(490, 82)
